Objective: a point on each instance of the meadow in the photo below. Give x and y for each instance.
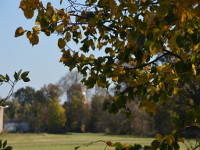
(69, 141)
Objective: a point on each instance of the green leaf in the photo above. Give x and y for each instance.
(77, 147)
(24, 74)
(0, 143)
(8, 148)
(118, 145)
(141, 40)
(106, 104)
(137, 147)
(4, 144)
(163, 146)
(146, 147)
(7, 78)
(162, 11)
(19, 72)
(175, 146)
(155, 144)
(25, 79)
(16, 76)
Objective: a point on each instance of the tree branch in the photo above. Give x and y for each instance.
(171, 53)
(146, 64)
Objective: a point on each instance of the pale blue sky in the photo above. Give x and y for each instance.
(17, 53)
(41, 60)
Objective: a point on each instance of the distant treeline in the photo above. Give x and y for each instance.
(43, 112)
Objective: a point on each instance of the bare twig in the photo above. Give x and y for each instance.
(99, 141)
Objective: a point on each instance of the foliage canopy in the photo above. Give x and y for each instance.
(151, 47)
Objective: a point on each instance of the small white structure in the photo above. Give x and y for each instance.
(1, 117)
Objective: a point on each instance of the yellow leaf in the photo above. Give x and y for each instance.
(198, 79)
(194, 69)
(150, 107)
(60, 28)
(197, 47)
(37, 23)
(116, 97)
(68, 36)
(28, 13)
(184, 57)
(143, 78)
(155, 48)
(183, 17)
(159, 137)
(29, 35)
(36, 29)
(34, 40)
(61, 43)
(109, 143)
(170, 139)
(22, 5)
(181, 140)
(174, 131)
(66, 19)
(19, 31)
(47, 32)
(54, 18)
(114, 79)
(132, 8)
(149, 17)
(91, 56)
(176, 90)
(196, 124)
(63, 59)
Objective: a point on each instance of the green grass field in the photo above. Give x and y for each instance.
(67, 141)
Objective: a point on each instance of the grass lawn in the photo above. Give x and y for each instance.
(67, 141)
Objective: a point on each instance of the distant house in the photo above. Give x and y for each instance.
(16, 125)
(12, 125)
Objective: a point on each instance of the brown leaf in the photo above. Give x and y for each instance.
(19, 31)
(61, 43)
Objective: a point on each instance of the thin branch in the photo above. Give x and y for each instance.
(10, 93)
(171, 53)
(105, 147)
(146, 64)
(77, 147)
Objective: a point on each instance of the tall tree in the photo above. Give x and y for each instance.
(25, 95)
(134, 35)
(44, 100)
(69, 79)
(77, 111)
(56, 117)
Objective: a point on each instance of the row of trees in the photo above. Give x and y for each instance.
(43, 111)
